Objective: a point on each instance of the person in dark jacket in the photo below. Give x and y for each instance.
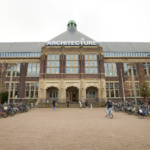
(86, 103)
(109, 105)
(54, 104)
(67, 103)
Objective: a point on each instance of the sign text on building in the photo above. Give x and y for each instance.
(87, 43)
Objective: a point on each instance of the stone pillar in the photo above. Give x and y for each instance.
(62, 91)
(103, 90)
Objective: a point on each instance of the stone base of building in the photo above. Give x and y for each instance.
(71, 105)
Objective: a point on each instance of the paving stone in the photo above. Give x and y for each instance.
(73, 129)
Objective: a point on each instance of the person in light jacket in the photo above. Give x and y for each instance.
(80, 102)
(91, 103)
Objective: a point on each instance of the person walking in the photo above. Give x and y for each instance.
(68, 103)
(91, 103)
(86, 103)
(54, 104)
(80, 104)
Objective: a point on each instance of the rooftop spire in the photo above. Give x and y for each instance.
(71, 24)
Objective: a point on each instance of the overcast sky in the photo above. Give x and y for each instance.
(101, 20)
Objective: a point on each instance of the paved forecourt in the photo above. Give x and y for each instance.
(73, 129)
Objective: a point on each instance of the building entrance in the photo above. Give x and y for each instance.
(72, 94)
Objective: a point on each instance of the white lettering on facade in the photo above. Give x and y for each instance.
(52, 43)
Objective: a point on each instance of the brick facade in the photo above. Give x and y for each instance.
(22, 79)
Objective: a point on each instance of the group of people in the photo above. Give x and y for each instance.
(108, 104)
(86, 104)
(68, 102)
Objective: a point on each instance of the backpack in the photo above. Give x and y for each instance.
(110, 103)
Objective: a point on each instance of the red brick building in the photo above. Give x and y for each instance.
(75, 67)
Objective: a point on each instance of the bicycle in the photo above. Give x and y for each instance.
(110, 113)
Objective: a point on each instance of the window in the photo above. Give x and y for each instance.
(31, 90)
(128, 69)
(146, 67)
(72, 64)
(54, 94)
(13, 90)
(130, 90)
(91, 66)
(112, 89)
(110, 69)
(52, 64)
(90, 94)
(16, 70)
(33, 69)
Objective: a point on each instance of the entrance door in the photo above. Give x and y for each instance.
(70, 96)
(73, 96)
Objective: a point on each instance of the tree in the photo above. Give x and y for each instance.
(145, 91)
(4, 97)
(3, 71)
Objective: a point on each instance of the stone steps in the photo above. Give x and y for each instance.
(71, 105)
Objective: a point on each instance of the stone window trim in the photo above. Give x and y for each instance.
(13, 90)
(127, 70)
(31, 88)
(129, 87)
(148, 83)
(146, 67)
(91, 63)
(16, 70)
(112, 86)
(53, 63)
(110, 69)
(37, 69)
(72, 63)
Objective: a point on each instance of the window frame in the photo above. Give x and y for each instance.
(14, 70)
(37, 69)
(30, 90)
(108, 89)
(88, 59)
(107, 65)
(131, 89)
(54, 63)
(72, 63)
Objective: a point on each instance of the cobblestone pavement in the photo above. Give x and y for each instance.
(74, 129)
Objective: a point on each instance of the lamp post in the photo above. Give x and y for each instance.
(11, 65)
(132, 64)
(122, 86)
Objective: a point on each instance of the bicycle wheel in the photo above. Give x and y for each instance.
(5, 115)
(111, 116)
(12, 113)
(135, 113)
(140, 116)
(105, 114)
(129, 112)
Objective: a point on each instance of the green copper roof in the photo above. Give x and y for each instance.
(71, 23)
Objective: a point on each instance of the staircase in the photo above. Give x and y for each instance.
(71, 105)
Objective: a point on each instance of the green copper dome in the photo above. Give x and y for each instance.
(71, 23)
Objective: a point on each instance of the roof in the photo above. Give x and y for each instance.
(71, 21)
(21, 47)
(125, 46)
(107, 46)
(72, 35)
